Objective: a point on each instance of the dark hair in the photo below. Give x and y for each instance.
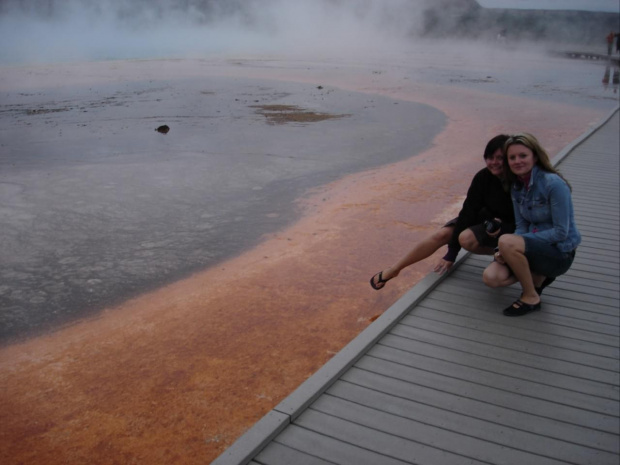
(495, 144)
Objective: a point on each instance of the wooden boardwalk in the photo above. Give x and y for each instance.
(442, 377)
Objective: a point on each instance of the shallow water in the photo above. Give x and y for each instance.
(97, 206)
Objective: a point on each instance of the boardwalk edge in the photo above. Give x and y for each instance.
(250, 443)
(573, 145)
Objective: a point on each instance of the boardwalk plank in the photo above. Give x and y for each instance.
(463, 425)
(594, 354)
(492, 395)
(461, 445)
(474, 297)
(593, 229)
(525, 353)
(596, 265)
(333, 449)
(481, 409)
(388, 445)
(593, 278)
(279, 454)
(591, 217)
(579, 291)
(548, 319)
(601, 205)
(503, 381)
(590, 253)
(497, 365)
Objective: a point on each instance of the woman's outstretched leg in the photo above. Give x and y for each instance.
(423, 249)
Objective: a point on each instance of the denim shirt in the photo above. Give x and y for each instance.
(545, 210)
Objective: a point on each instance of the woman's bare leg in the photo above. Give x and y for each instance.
(468, 241)
(423, 249)
(498, 275)
(512, 248)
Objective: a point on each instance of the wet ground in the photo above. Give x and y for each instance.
(176, 374)
(97, 206)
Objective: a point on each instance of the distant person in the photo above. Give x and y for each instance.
(606, 76)
(488, 200)
(618, 42)
(546, 237)
(501, 36)
(610, 42)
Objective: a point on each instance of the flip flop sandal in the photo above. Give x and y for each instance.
(380, 282)
(519, 308)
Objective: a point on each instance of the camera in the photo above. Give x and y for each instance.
(492, 226)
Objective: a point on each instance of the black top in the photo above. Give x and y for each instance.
(486, 199)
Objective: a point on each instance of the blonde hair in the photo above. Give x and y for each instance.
(542, 157)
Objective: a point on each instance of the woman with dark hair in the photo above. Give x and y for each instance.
(546, 236)
(488, 201)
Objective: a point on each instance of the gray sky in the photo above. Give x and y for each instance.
(588, 5)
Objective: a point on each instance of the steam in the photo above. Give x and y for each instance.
(77, 30)
(84, 30)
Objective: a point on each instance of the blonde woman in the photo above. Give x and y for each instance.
(546, 236)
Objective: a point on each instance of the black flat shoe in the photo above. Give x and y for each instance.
(519, 308)
(545, 283)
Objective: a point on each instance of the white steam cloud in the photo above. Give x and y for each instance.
(77, 30)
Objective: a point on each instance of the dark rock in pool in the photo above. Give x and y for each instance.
(163, 129)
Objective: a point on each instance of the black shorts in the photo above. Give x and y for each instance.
(480, 233)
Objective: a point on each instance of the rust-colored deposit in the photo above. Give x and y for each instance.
(281, 114)
(177, 375)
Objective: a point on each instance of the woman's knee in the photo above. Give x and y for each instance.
(489, 278)
(468, 240)
(510, 242)
(496, 275)
(442, 235)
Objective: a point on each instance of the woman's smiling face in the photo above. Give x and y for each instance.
(495, 163)
(521, 159)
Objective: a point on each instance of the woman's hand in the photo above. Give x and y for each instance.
(443, 266)
(498, 258)
(499, 230)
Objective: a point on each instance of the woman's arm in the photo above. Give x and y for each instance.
(522, 226)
